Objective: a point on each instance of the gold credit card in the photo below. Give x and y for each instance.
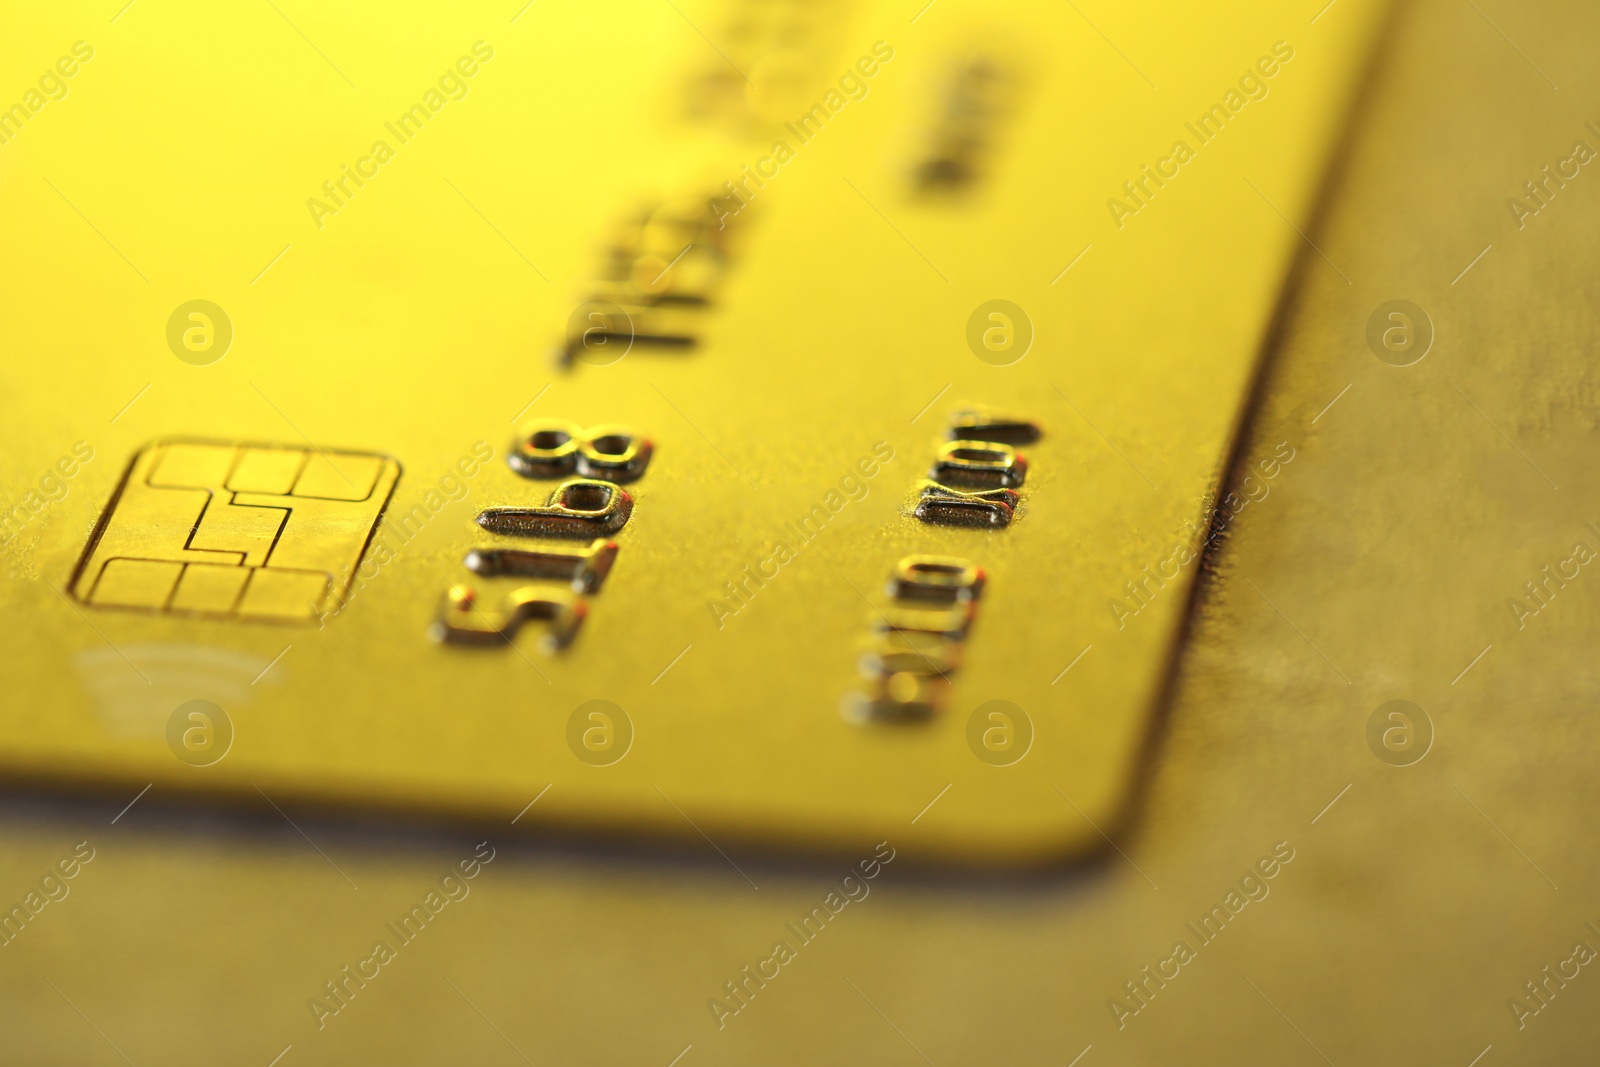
(773, 424)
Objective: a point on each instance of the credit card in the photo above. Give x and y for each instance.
(789, 426)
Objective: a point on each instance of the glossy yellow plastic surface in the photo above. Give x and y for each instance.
(293, 235)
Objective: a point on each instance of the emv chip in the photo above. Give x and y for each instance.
(255, 531)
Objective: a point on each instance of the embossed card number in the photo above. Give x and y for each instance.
(586, 507)
(917, 639)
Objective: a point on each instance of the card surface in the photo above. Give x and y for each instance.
(785, 432)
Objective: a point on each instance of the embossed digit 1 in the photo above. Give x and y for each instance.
(981, 424)
(585, 569)
(942, 506)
